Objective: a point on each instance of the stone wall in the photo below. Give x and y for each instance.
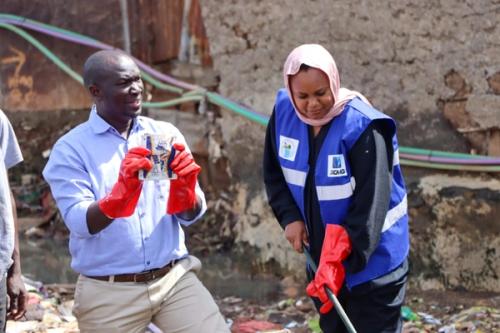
(455, 234)
(432, 65)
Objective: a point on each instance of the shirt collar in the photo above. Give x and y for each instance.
(100, 125)
(138, 123)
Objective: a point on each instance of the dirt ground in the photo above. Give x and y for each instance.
(49, 310)
(428, 311)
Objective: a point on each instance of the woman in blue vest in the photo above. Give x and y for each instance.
(334, 182)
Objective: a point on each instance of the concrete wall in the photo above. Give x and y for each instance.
(455, 234)
(430, 64)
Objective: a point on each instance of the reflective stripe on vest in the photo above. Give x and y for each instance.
(294, 177)
(335, 192)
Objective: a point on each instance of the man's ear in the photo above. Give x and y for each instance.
(94, 90)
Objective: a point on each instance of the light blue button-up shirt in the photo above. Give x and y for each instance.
(82, 168)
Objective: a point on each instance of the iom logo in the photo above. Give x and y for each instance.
(336, 166)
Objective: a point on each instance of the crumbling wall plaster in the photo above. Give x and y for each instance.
(397, 53)
(432, 65)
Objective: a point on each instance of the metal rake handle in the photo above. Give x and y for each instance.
(331, 295)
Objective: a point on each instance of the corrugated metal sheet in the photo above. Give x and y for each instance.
(31, 82)
(156, 27)
(167, 26)
(141, 28)
(198, 34)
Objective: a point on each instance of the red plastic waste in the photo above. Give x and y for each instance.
(253, 326)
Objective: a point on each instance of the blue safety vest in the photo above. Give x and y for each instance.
(334, 183)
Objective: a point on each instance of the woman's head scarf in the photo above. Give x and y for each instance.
(316, 56)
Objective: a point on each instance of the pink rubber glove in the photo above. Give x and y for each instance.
(331, 272)
(123, 198)
(182, 195)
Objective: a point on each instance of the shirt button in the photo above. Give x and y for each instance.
(141, 215)
(147, 263)
(146, 238)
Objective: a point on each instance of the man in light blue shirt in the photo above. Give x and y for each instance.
(11, 283)
(134, 266)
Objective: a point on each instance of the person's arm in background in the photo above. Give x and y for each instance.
(371, 167)
(15, 285)
(11, 156)
(278, 194)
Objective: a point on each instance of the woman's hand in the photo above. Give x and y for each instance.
(296, 234)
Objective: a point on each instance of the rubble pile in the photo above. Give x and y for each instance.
(452, 312)
(49, 310)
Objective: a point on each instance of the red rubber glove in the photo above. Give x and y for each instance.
(331, 272)
(182, 196)
(122, 199)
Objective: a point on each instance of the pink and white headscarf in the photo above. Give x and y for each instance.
(315, 55)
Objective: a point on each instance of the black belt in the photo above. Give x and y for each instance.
(141, 277)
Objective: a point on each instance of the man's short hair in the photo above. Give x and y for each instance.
(98, 63)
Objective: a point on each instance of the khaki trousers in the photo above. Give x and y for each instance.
(177, 302)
